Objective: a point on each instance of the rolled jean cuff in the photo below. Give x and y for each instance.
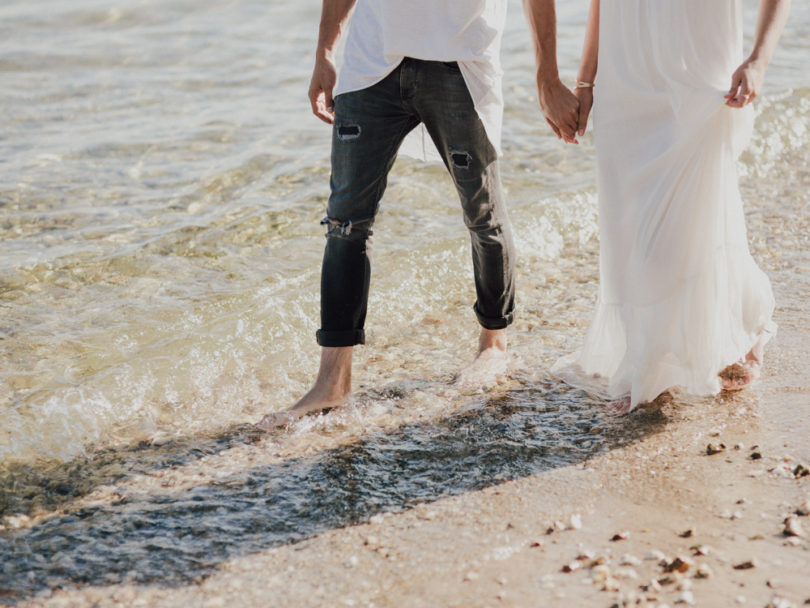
(494, 322)
(349, 337)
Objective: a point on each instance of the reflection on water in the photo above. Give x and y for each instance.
(172, 536)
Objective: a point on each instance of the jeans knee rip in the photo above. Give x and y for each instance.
(336, 227)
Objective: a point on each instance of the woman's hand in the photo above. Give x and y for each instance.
(585, 97)
(746, 83)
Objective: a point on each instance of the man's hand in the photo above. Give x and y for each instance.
(560, 107)
(324, 77)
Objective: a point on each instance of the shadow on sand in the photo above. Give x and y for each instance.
(176, 538)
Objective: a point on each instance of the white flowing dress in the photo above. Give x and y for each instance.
(680, 295)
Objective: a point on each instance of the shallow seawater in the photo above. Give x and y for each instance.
(161, 184)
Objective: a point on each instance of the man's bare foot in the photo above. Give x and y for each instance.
(332, 387)
(489, 366)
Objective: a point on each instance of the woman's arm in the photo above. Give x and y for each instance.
(587, 67)
(746, 81)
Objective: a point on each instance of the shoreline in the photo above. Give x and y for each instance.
(657, 492)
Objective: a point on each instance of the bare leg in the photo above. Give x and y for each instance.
(332, 386)
(489, 365)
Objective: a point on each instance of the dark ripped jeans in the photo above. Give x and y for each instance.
(370, 125)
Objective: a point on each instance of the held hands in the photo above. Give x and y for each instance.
(585, 97)
(560, 108)
(745, 84)
(324, 77)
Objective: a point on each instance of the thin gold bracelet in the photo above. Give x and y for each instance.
(583, 85)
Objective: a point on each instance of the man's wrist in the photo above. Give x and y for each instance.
(548, 77)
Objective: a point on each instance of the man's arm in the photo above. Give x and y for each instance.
(334, 15)
(557, 102)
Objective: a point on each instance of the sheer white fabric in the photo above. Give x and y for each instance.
(680, 295)
(383, 32)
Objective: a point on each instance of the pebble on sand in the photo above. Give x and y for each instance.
(792, 526)
(747, 565)
(620, 536)
(678, 564)
(715, 448)
(703, 571)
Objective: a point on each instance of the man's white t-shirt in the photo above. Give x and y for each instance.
(383, 32)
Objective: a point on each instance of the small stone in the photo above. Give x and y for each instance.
(610, 584)
(371, 541)
(536, 543)
(755, 455)
(703, 571)
(625, 572)
(687, 533)
(715, 448)
(629, 560)
(738, 446)
(745, 565)
(575, 523)
(598, 561)
(793, 541)
(585, 556)
(801, 471)
(756, 537)
(571, 566)
(471, 576)
(653, 585)
(803, 509)
(620, 536)
(655, 555)
(599, 574)
(778, 602)
(687, 597)
(793, 526)
(678, 565)
(699, 549)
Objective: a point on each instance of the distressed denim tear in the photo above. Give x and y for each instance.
(348, 132)
(336, 227)
(461, 160)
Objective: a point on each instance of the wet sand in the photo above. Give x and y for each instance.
(650, 518)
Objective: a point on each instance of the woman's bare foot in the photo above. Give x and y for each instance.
(489, 366)
(620, 407)
(332, 387)
(745, 371)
